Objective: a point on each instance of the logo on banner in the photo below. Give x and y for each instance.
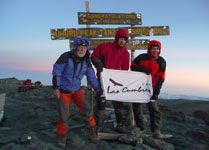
(141, 89)
(115, 83)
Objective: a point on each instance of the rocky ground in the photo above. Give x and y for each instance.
(33, 113)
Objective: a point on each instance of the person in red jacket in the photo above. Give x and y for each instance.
(111, 56)
(150, 63)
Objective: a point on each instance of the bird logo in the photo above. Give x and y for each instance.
(115, 83)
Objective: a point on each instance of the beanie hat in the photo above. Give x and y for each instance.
(154, 44)
(123, 36)
(81, 41)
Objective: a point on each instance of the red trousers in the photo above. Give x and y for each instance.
(63, 110)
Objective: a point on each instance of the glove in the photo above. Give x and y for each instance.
(99, 67)
(98, 64)
(99, 97)
(145, 70)
(154, 97)
(140, 69)
(99, 92)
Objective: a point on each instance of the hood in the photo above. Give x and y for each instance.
(79, 41)
(151, 43)
(121, 32)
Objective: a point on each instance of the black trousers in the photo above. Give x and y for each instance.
(120, 112)
(155, 116)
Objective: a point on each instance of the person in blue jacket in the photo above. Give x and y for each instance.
(68, 72)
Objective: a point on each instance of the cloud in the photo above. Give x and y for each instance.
(29, 65)
(188, 78)
(187, 82)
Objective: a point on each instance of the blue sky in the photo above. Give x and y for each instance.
(27, 51)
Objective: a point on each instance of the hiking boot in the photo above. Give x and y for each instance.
(92, 135)
(99, 129)
(158, 135)
(142, 131)
(61, 143)
(121, 128)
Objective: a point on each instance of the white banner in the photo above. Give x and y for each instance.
(126, 86)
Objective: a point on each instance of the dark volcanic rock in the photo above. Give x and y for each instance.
(202, 115)
(33, 113)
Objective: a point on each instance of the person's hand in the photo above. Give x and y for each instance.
(100, 99)
(99, 67)
(154, 97)
(140, 69)
(99, 95)
(98, 64)
(57, 93)
(147, 71)
(99, 92)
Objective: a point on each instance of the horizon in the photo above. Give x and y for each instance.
(27, 51)
(46, 80)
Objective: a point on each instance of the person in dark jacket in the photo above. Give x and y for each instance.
(111, 56)
(150, 63)
(68, 72)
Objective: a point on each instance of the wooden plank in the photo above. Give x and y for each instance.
(109, 136)
(84, 124)
(109, 18)
(2, 101)
(71, 33)
(149, 31)
(138, 44)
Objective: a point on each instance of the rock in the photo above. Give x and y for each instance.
(134, 137)
(5, 128)
(199, 135)
(48, 134)
(34, 113)
(76, 142)
(36, 143)
(143, 147)
(197, 147)
(178, 142)
(157, 144)
(202, 115)
(101, 145)
(122, 147)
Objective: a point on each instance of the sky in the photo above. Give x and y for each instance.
(27, 51)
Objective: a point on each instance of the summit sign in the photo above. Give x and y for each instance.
(109, 18)
(71, 33)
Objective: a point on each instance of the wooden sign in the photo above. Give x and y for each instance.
(109, 18)
(71, 33)
(132, 44)
(149, 31)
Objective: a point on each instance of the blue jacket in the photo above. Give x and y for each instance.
(68, 73)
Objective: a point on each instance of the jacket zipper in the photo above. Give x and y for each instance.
(116, 57)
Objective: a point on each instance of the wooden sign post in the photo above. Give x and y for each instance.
(90, 96)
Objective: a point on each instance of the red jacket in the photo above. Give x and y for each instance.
(156, 66)
(111, 55)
